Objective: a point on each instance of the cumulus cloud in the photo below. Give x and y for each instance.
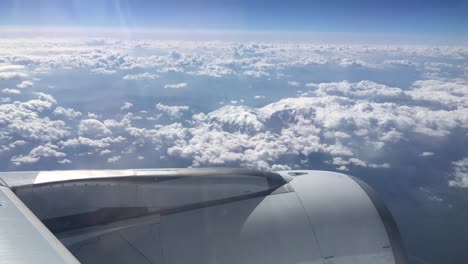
(114, 159)
(25, 84)
(173, 111)
(141, 76)
(47, 150)
(67, 112)
(426, 154)
(11, 91)
(12, 75)
(10, 67)
(46, 97)
(17, 143)
(25, 120)
(294, 83)
(365, 90)
(256, 74)
(12, 71)
(460, 173)
(105, 152)
(451, 94)
(43, 151)
(126, 106)
(92, 143)
(93, 128)
(175, 86)
(103, 71)
(20, 160)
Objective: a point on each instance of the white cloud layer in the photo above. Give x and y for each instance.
(397, 114)
(351, 104)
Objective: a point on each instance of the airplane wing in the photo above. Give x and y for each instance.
(205, 216)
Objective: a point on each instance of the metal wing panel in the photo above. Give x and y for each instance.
(23, 238)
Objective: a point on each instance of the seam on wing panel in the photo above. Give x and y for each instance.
(311, 227)
(3, 183)
(135, 248)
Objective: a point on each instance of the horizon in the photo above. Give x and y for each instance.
(364, 21)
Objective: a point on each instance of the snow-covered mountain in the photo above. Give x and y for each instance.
(271, 117)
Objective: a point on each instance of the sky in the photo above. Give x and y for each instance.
(374, 89)
(442, 20)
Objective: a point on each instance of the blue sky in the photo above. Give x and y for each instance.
(430, 17)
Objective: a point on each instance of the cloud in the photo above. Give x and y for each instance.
(11, 91)
(104, 152)
(294, 83)
(92, 143)
(256, 74)
(93, 128)
(17, 143)
(141, 76)
(366, 90)
(173, 111)
(460, 173)
(12, 75)
(20, 160)
(47, 150)
(46, 97)
(10, 67)
(67, 112)
(44, 151)
(83, 141)
(451, 94)
(322, 123)
(12, 71)
(104, 71)
(175, 86)
(65, 161)
(25, 84)
(332, 120)
(358, 102)
(114, 159)
(426, 154)
(24, 120)
(126, 106)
